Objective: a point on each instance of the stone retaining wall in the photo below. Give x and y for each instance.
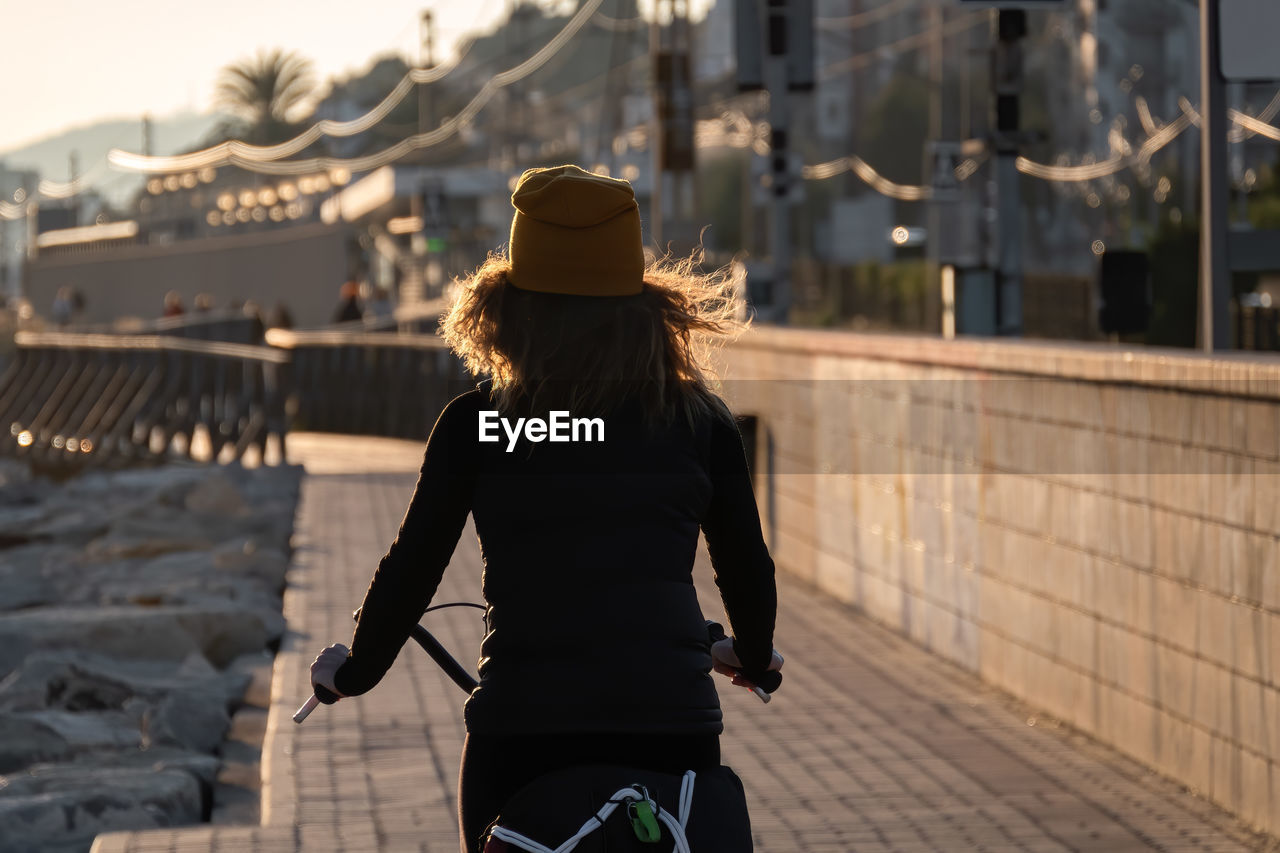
(1091, 529)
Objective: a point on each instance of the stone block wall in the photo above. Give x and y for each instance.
(1092, 529)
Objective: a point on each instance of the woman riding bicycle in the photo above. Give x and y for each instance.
(597, 649)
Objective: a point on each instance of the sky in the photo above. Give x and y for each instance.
(73, 62)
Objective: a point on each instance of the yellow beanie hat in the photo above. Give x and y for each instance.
(575, 232)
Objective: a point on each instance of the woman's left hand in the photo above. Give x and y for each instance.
(724, 660)
(326, 664)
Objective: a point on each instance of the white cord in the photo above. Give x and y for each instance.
(686, 798)
(597, 821)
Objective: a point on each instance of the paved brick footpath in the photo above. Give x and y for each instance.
(871, 745)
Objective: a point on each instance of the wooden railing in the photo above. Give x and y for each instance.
(371, 384)
(225, 325)
(77, 399)
(83, 400)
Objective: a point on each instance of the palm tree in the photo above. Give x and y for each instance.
(265, 93)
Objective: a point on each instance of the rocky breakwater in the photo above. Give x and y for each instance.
(133, 607)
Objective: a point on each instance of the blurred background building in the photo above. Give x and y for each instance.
(418, 193)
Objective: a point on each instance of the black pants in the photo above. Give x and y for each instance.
(494, 767)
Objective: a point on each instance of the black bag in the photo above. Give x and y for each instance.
(553, 808)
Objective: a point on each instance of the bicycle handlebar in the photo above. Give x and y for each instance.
(765, 682)
(456, 671)
(320, 694)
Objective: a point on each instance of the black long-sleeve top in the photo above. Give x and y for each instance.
(588, 550)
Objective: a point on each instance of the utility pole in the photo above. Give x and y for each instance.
(1011, 27)
(412, 285)
(936, 21)
(779, 156)
(934, 299)
(1214, 331)
(74, 170)
(672, 200)
(785, 32)
(852, 183)
(146, 134)
(426, 60)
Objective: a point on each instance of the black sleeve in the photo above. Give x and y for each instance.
(740, 560)
(408, 575)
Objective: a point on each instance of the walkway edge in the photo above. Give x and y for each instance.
(279, 803)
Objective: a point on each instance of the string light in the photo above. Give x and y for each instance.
(618, 25)
(870, 176)
(860, 60)
(1255, 125)
(266, 159)
(199, 166)
(861, 19)
(1117, 162)
(1144, 115)
(66, 189)
(1188, 110)
(218, 154)
(1247, 129)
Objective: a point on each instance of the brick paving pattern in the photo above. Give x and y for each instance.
(871, 745)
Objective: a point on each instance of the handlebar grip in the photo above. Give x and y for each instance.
(307, 707)
(324, 694)
(321, 695)
(769, 680)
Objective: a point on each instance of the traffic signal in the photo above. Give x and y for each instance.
(1125, 284)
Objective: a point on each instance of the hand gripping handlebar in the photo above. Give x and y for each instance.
(765, 682)
(456, 671)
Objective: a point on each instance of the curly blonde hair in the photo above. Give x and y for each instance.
(588, 354)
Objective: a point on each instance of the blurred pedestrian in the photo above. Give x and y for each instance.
(63, 307)
(257, 329)
(379, 311)
(202, 304)
(8, 325)
(349, 307)
(173, 304)
(281, 317)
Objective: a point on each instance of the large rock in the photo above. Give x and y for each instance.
(82, 681)
(27, 737)
(28, 572)
(247, 558)
(194, 719)
(13, 475)
(215, 495)
(204, 768)
(59, 811)
(158, 531)
(252, 581)
(220, 632)
(16, 522)
(264, 486)
(164, 484)
(67, 518)
(133, 607)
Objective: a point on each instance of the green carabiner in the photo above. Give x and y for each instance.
(643, 823)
